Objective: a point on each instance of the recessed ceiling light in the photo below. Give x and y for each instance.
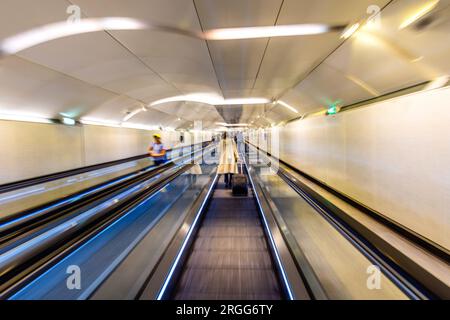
(350, 31)
(24, 117)
(98, 122)
(266, 31)
(419, 14)
(245, 101)
(139, 126)
(211, 99)
(232, 124)
(63, 29)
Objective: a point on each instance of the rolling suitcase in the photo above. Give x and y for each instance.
(239, 183)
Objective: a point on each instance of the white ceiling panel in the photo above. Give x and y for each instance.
(179, 13)
(20, 15)
(153, 117)
(172, 56)
(288, 60)
(95, 58)
(379, 60)
(237, 61)
(303, 100)
(430, 42)
(100, 60)
(112, 110)
(251, 113)
(28, 87)
(104, 74)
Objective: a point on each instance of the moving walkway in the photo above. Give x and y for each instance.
(420, 268)
(230, 258)
(62, 188)
(31, 239)
(182, 236)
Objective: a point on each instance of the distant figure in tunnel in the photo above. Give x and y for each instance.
(240, 142)
(157, 150)
(228, 159)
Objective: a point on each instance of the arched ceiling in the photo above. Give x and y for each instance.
(103, 75)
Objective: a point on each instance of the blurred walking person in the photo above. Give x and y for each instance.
(228, 159)
(240, 142)
(157, 150)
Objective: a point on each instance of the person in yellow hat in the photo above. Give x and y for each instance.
(157, 150)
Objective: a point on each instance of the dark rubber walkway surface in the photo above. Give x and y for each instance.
(229, 257)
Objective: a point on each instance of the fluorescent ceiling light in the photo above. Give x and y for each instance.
(419, 14)
(104, 123)
(266, 32)
(284, 104)
(25, 118)
(232, 124)
(139, 126)
(113, 124)
(350, 31)
(211, 99)
(245, 101)
(195, 97)
(58, 30)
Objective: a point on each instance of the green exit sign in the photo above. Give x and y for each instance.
(333, 108)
